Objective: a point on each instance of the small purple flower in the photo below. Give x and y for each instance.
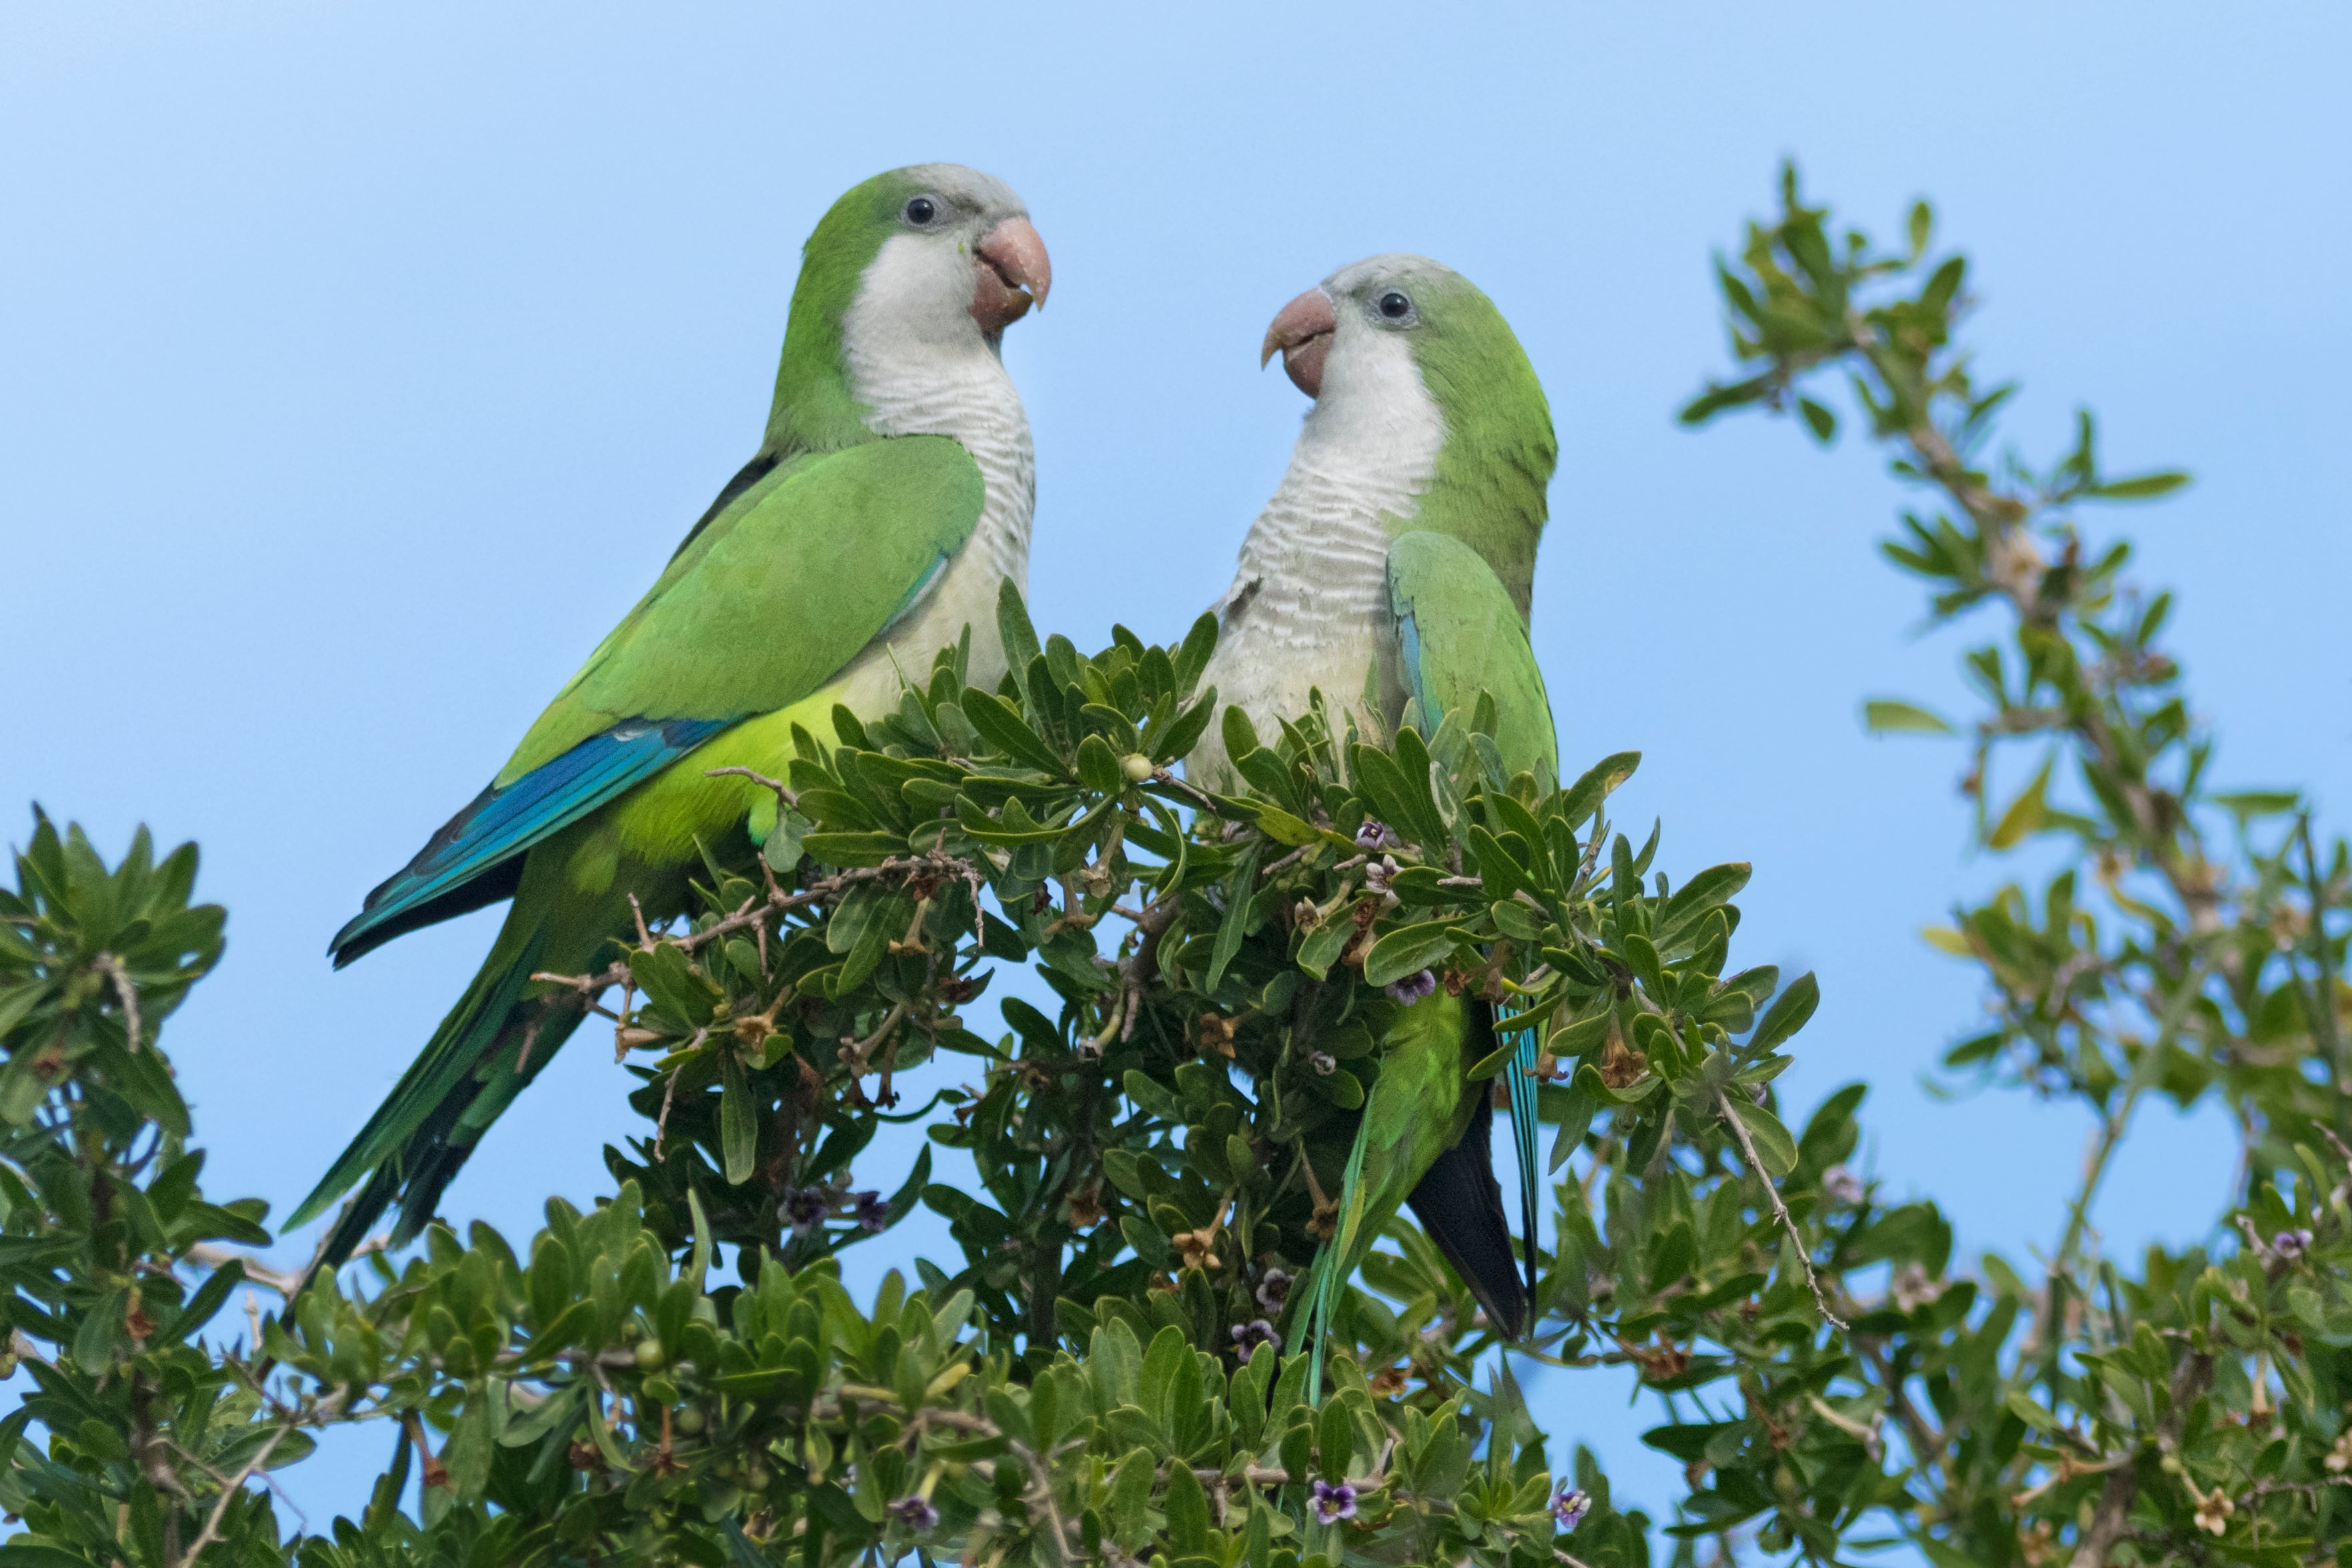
(2289, 1245)
(1273, 1289)
(1248, 1336)
(1569, 1506)
(1840, 1185)
(873, 1214)
(1323, 1062)
(803, 1209)
(916, 1513)
(1332, 1503)
(1373, 834)
(1413, 987)
(1377, 878)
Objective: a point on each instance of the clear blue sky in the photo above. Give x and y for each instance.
(359, 365)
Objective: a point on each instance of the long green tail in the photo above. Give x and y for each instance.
(1335, 1261)
(489, 1047)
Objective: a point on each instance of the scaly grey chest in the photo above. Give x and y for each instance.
(1309, 608)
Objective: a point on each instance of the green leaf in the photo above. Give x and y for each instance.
(199, 1306)
(1884, 716)
(2246, 805)
(1589, 1083)
(1598, 782)
(1186, 731)
(1187, 1507)
(1239, 734)
(1325, 943)
(35, 1554)
(2025, 814)
(853, 849)
(1409, 949)
(1099, 766)
(737, 1133)
(1018, 634)
(1005, 730)
(1193, 658)
(1786, 1015)
(1341, 1088)
(667, 977)
(1150, 1097)
(1498, 867)
(2140, 487)
(1334, 1440)
(1774, 1144)
(1491, 1063)
(1239, 895)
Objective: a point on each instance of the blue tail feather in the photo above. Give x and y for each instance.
(1522, 1075)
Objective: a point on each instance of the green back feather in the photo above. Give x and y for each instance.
(1496, 461)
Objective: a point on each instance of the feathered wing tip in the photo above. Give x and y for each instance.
(1460, 1207)
(475, 858)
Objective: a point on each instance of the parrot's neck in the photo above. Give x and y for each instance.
(1308, 606)
(1366, 454)
(914, 379)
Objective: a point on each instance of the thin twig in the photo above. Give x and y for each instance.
(786, 797)
(661, 1122)
(1779, 1210)
(125, 994)
(211, 1532)
(755, 912)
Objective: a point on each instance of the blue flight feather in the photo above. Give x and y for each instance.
(1522, 1075)
(500, 824)
(1416, 675)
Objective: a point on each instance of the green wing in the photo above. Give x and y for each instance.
(775, 595)
(764, 604)
(1459, 634)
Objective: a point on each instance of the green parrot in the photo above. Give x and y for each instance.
(1391, 571)
(889, 496)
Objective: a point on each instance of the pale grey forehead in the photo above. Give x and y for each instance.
(956, 182)
(1393, 267)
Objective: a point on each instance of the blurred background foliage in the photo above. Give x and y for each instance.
(678, 1375)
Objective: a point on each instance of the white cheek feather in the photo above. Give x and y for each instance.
(920, 364)
(1309, 605)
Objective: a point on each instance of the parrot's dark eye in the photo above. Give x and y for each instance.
(1395, 306)
(921, 210)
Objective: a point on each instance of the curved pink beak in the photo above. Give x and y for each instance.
(1302, 331)
(1013, 273)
